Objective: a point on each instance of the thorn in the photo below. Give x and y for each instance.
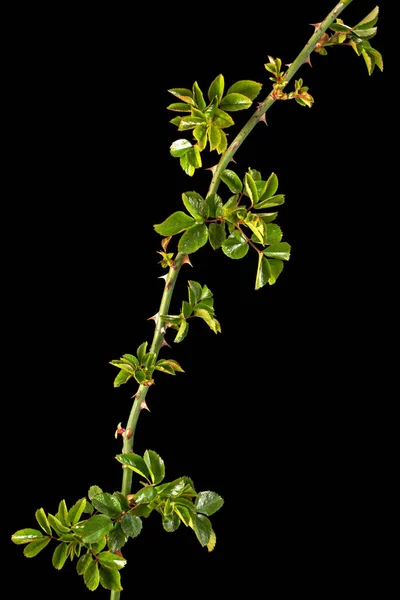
(165, 242)
(263, 119)
(162, 330)
(154, 318)
(144, 405)
(135, 395)
(163, 276)
(165, 343)
(186, 260)
(308, 61)
(288, 64)
(212, 169)
(233, 160)
(315, 25)
(119, 431)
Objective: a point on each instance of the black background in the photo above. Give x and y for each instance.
(277, 414)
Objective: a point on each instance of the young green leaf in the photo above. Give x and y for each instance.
(186, 165)
(180, 148)
(176, 120)
(232, 181)
(110, 580)
(251, 188)
(116, 538)
(84, 563)
(369, 20)
(195, 205)
(184, 514)
(222, 119)
(235, 246)
(141, 351)
(76, 511)
(33, 548)
(376, 57)
(42, 520)
(93, 491)
(280, 251)
(231, 205)
(122, 377)
(214, 136)
(98, 546)
(131, 525)
(208, 503)
(107, 504)
(60, 555)
(202, 528)
(194, 158)
(256, 175)
(211, 109)
(182, 332)
(25, 536)
(193, 239)
(62, 514)
(171, 522)
(175, 223)
(272, 233)
(134, 462)
(215, 206)
(200, 134)
(270, 202)
(196, 290)
(174, 364)
(271, 187)
(179, 107)
(57, 525)
(155, 465)
(111, 561)
(172, 489)
(91, 576)
(95, 528)
(183, 94)
(263, 272)
(212, 541)
(216, 234)
(213, 324)
(189, 122)
(247, 88)
(216, 88)
(145, 495)
(234, 102)
(198, 96)
(223, 144)
(276, 267)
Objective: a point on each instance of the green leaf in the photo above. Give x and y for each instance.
(176, 121)
(212, 541)
(107, 504)
(42, 520)
(276, 267)
(98, 546)
(270, 188)
(184, 514)
(235, 246)
(76, 511)
(198, 96)
(60, 555)
(217, 234)
(111, 561)
(131, 525)
(186, 309)
(173, 489)
(186, 165)
(93, 491)
(110, 580)
(84, 563)
(193, 239)
(234, 102)
(251, 189)
(57, 525)
(182, 332)
(183, 94)
(263, 272)
(202, 528)
(88, 508)
(206, 293)
(165, 368)
(196, 290)
(256, 175)
(195, 205)
(116, 538)
(211, 109)
(25, 536)
(155, 465)
(122, 377)
(179, 107)
(214, 136)
(143, 510)
(208, 503)
(141, 352)
(216, 88)
(231, 205)
(369, 20)
(91, 576)
(145, 495)
(223, 144)
(62, 514)
(140, 376)
(215, 206)
(134, 462)
(180, 147)
(33, 548)
(270, 202)
(365, 34)
(268, 217)
(95, 528)
(132, 360)
(174, 364)
(175, 223)
(272, 233)
(171, 522)
(376, 56)
(232, 181)
(194, 157)
(369, 61)
(195, 112)
(189, 122)
(181, 501)
(210, 320)
(200, 134)
(247, 88)
(222, 119)
(281, 251)
(341, 28)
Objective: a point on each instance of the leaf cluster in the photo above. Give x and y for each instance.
(208, 119)
(96, 541)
